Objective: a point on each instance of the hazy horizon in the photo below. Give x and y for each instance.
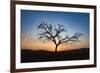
(72, 21)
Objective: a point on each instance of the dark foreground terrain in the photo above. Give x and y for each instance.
(43, 56)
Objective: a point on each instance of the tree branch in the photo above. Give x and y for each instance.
(47, 33)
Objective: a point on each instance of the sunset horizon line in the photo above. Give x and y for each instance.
(54, 49)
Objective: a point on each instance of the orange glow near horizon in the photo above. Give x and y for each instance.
(73, 22)
(50, 46)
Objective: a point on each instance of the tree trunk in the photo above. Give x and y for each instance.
(56, 48)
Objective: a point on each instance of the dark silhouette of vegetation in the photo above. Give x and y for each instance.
(53, 33)
(44, 56)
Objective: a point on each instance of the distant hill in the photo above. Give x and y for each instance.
(44, 56)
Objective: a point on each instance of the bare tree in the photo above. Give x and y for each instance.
(53, 33)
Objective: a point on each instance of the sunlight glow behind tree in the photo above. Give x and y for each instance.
(53, 33)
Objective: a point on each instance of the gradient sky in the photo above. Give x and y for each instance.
(73, 22)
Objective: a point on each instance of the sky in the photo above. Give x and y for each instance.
(72, 21)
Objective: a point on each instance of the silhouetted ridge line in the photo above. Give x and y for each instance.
(43, 56)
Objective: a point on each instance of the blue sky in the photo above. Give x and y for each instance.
(73, 21)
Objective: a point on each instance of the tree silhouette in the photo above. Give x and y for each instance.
(53, 33)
